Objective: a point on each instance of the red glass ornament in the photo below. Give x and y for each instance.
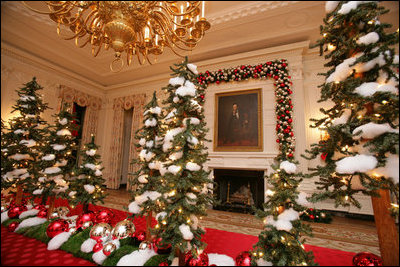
(243, 259)
(312, 217)
(15, 211)
(290, 120)
(39, 207)
(291, 133)
(276, 77)
(12, 226)
(104, 216)
(161, 248)
(42, 213)
(86, 217)
(164, 263)
(277, 140)
(202, 96)
(217, 82)
(57, 227)
(311, 209)
(202, 259)
(290, 155)
(23, 203)
(287, 131)
(366, 259)
(140, 235)
(98, 247)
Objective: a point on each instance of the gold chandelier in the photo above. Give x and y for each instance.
(140, 28)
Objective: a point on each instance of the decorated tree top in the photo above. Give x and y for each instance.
(88, 185)
(149, 182)
(187, 181)
(362, 146)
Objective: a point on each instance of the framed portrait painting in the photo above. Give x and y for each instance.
(238, 121)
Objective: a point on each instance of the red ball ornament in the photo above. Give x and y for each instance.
(15, 211)
(23, 203)
(312, 217)
(161, 248)
(278, 141)
(202, 259)
(276, 77)
(290, 155)
(12, 226)
(291, 133)
(243, 259)
(39, 207)
(283, 64)
(57, 227)
(164, 263)
(217, 82)
(290, 120)
(311, 209)
(140, 235)
(202, 96)
(42, 213)
(366, 259)
(98, 247)
(86, 217)
(286, 131)
(104, 216)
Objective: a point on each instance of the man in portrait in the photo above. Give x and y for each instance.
(234, 125)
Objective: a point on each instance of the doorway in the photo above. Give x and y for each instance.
(128, 114)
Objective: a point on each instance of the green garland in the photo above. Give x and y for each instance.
(313, 215)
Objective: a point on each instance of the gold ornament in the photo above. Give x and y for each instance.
(109, 248)
(123, 229)
(100, 230)
(62, 211)
(145, 245)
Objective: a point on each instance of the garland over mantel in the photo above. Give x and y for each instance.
(278, 70)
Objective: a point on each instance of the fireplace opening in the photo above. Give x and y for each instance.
(238, 190)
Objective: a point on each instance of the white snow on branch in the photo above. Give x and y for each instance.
(87, 245)
(63, 121)
(186, 233)
(27, 98)
(194, 121)
(142, 141)
(72, 193)
(4, 216)
(369, 89)
(49, 157)
(147, 195)
(150, 144)
(174, 169)
(261, 261)
(330, 6)
(177, 81)
(289, 215)
(358, 163)
(161, 215)
(58, 147)
(372, 130)
(192, 68)
(64, 132)
(89, 188)
(20, 156)
(195, 105)
(193, 140)
(349, 6)
(20, 131)
(98, 173)
(302, 199)
(191, 166)
(279, 224)
(176, 155)
(28, 213)
(150, 122)
(189, 89)
(369, 38)
(90, 166)
(155, 110)
(391, 168)
(28, 143)
(91, 152)
(169, 136)
(134, 207)
(288, 167)
(175, 99)
(52, 170)
(30, 222)
(220, 259)
(343, 70)
(146, 155)
(61, 163)
(57, 241)
(343, 118)
(136, 258)
(37, 192)
(367, 66)
(191, 195)
(143, 179)
(170, 115)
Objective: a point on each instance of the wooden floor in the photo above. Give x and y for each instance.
(343, 233)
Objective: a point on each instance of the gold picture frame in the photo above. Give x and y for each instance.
(238, 128)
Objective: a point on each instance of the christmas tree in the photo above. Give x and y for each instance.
(6, 164)
(362, 146)
(187, 182)
(57, 161)
(25, 138)
(148, 181)
(88, 185)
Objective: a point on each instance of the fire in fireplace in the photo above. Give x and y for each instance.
(238, 190)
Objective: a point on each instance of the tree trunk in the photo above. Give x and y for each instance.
(85, 208)
(51, 206)
(18, 196)
(386, 228)
(181, 257)
(149, 217)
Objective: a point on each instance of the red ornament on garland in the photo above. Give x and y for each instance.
(12, 226)
(104, 216)
(98, 247)
(83, 218)
(57, 227)
(278, 141)
(15, 211)
(42, 213)
(202, 259)
(366, 259)
(243, 259)
(290, 155)
(140, 235)
(202, 96)
(312, 217)
(164, 263)
(39, 207)
(161, 248)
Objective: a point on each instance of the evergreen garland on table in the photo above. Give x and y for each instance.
(25, 138)
(88, 185)
(57, 160)
(314, 215)
(186, 180)
(150, 186)
(362, 148)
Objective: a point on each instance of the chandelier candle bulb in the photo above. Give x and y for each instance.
(203, 7)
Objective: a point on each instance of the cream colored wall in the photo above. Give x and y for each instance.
(304, 64)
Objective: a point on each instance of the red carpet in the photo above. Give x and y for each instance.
(18, 250)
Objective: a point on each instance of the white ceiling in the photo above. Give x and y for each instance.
(236, 27)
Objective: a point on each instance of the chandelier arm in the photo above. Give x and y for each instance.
(74, 36)
(138, 57)
(184, 13)
(67, 8)
(98, 50)
(38, 11)
(85, 43)
(87, 19)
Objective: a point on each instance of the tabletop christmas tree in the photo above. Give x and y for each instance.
(187, 182)
(88, 185)
(57, 161)
(6, 164)
(26, 136)
(361, 150)
(148, 181)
